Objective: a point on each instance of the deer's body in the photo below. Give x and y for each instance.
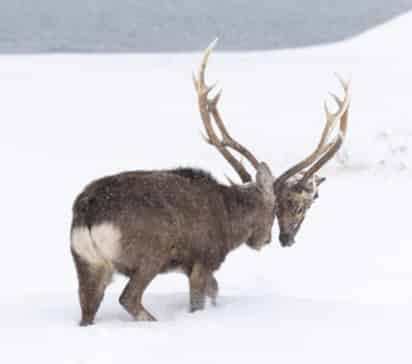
(144, 223)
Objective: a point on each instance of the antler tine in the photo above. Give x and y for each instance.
(206, 55)
(323, 148)
(337, 100)
(344, 84)
(204, 105)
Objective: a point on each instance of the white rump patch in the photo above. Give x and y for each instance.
(99, 246)
(107, 239)
(82, 244)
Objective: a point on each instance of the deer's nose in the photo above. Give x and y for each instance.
(286, 239)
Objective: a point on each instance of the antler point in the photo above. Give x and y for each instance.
(212, 45)
(336, 98)
(195, 81)
(345, 84)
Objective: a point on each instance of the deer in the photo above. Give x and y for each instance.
(147, 222)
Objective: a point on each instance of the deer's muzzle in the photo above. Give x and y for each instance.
(286, 239)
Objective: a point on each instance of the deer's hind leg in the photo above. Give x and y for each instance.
(93, 280)
(212, 289)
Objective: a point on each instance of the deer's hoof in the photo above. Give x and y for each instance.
(84, 323)
(143, 315)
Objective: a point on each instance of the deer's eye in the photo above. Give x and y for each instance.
(300, 210)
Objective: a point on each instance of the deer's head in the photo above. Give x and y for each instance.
(293, 201)
(290, 195)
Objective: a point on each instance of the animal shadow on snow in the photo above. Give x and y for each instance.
(63, 310)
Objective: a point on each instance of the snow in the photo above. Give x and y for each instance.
(341, 294)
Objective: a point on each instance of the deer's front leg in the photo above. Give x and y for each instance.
(131, 297)
(198, 282)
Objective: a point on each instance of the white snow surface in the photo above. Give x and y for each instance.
(342, 294)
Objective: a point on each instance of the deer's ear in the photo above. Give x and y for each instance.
(264, 178)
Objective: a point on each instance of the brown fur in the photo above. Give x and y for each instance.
(178, 219)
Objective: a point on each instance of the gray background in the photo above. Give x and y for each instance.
(30, 26)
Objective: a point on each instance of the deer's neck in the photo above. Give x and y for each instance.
(242, 204)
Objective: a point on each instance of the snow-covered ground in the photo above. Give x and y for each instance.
(342, 294)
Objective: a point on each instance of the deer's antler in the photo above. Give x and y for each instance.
(207, 108)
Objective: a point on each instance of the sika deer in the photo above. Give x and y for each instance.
(143, 223)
